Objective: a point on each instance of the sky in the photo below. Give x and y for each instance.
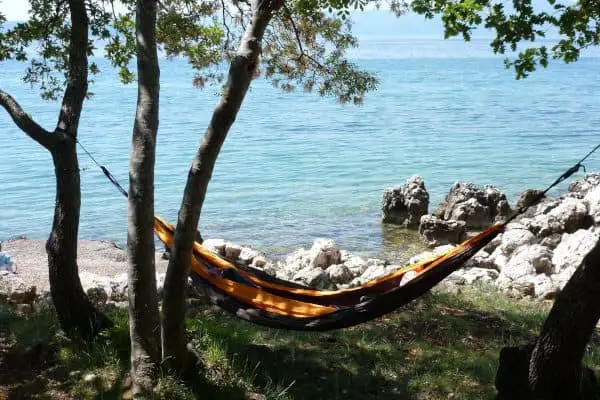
(366, 24)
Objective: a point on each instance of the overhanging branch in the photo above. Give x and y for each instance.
(24, 121)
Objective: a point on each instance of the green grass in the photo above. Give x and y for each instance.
(442, 346)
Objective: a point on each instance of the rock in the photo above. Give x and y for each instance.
(568, 216)
(247, 255)
(14, 290)
(405, 206)
(313, 277)
(297, 260)
(551, 241)
(375, 261)
(270, 269)
(215, 245)
(472, 275)
(573, 248)
(430, 254)
(356, 265)
(592, 199)
(358, 281)
(435, 231)
(581, 187)
(372, 272)
(97, 296)
(259, 261)
(491, 246)
(563, 276)
(477, 207)
(544, 287)
(519, 288)
(324, 253)
(482, 260)
(284, 274)
(232, 251)
(515, 237)
(529, 260)
(526, 199)
(339, 274)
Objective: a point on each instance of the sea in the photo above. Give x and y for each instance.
(297, 166)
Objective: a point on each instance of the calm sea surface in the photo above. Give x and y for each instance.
(296, 166)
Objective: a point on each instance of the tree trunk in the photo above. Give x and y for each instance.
(144, 320)
(551, 368)
(241, 71)
(76, 314)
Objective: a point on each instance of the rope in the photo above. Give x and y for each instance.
(575, 168)
(106, 172)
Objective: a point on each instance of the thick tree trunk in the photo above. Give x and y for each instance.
(144, 320)
(77, 316)
(241, 71)
(551, 368)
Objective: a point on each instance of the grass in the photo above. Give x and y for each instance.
(442, 346)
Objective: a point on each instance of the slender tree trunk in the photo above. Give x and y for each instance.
(144, 320)
(241, 71)
(75, 312)
(552, 368)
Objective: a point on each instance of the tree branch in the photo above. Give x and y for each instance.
(24, 121)
(77, 84)
(303, 53)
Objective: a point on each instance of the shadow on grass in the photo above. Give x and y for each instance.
(439, 346)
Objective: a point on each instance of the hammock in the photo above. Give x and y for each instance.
(271, 303)
(257, 297)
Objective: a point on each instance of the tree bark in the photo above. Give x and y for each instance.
(551, 368)
(76, 314)
(241, 71)
(144, 320)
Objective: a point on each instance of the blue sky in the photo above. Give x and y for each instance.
(367, 24)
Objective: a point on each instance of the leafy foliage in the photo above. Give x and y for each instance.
(305, 45)
(577, 24)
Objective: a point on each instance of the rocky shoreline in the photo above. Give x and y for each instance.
(535, 256)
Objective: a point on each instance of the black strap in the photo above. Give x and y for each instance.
(105, 170)
(575, 168)
(518, 212)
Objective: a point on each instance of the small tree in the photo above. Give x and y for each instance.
(287, 43)
(61, 32)
(551, 367)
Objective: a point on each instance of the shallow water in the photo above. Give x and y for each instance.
(296, 166)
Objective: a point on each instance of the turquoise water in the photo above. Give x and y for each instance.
(296, 166)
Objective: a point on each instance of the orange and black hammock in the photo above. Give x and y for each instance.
(255, 296)
(268, 301)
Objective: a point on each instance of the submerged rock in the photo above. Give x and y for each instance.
(477, 207)
(435, 231)
(405, 206)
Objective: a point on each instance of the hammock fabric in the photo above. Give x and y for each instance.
(264, 300)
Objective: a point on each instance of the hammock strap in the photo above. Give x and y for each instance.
(575, 168)
(105, 170)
